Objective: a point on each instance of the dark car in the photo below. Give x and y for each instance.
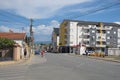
(37, 52)
(89, 51)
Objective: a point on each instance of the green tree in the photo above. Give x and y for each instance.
(5, 43)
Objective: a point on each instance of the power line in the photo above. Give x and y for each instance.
(9, 22)
(91, 11)
(11, 16)
(107, 6)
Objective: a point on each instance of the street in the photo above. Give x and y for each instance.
(61, 67)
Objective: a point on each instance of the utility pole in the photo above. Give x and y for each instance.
(31, 36)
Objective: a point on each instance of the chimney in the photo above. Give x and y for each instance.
(10, 31)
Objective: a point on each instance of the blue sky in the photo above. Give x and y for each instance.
(46, 14)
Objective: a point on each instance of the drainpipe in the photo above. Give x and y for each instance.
(101, 25)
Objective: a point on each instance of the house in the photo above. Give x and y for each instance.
(55, 40)
(77, 36)
(19, 38)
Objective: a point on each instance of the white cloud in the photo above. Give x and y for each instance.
(6, 29)
(118, 23)
(44, 29)
(40, 29)
(37, 8)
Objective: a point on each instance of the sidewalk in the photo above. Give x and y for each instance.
(16, 62)
(106, 58)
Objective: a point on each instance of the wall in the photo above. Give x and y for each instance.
(20, 42)
(114, 51)
(6, 54)
(16, 53)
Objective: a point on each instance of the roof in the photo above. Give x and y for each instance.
(91, 22)
(12, 35)
(56, 30)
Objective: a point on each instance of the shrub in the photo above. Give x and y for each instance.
(5, 43)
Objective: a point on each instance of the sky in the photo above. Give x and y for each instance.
(48, 14)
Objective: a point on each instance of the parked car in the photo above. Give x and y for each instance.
(88, 52)
(37, 52)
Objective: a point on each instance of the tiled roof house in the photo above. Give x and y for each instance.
(19, 38)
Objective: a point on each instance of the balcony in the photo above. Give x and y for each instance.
(104, 28)
(86, 33)
(87, 45)
(86, 39)
(85, 27)
(98, 39)
(98, 45)
(99, 34)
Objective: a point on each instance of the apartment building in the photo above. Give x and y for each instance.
(78, 36)
(55, 40)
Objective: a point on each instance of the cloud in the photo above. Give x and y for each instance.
(6, 29)
(43, 32)
(37, 8)
(46, 29)
(118, 23)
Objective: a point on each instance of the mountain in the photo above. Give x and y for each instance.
(42, 42)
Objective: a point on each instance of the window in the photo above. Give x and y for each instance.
(108, 42)
(114, 32)
(108, 37)
(93, 31)
(108, 32)
(71, 30)
(93, 36)
(71, 24)
(71, 36)
(103, 31)
(71, 42)
(80, 36)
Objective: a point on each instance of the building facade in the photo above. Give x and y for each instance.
(19, 38)
(55, 40)
(80, 36)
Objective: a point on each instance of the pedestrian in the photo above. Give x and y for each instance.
(86, 52)
(42, 53)
(25, 52)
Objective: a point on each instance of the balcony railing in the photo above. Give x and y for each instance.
(104, 28)
(86, 39)
(86, 33)
(98, 39)
(98, 45)
(86, 28)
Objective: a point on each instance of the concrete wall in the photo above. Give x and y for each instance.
(114, 51)
(6, 54)
(20, 42)
(16, 53)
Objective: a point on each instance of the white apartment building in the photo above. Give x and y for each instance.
(82, 35)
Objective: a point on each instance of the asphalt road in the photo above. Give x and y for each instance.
(61, 67)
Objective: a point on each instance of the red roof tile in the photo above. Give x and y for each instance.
(13, 36)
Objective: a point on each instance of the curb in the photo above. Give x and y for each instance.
(112, 60)
(99, 58)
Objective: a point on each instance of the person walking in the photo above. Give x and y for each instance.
(25, 52)
(42, 53)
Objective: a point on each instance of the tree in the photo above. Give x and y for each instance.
(5, 43)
